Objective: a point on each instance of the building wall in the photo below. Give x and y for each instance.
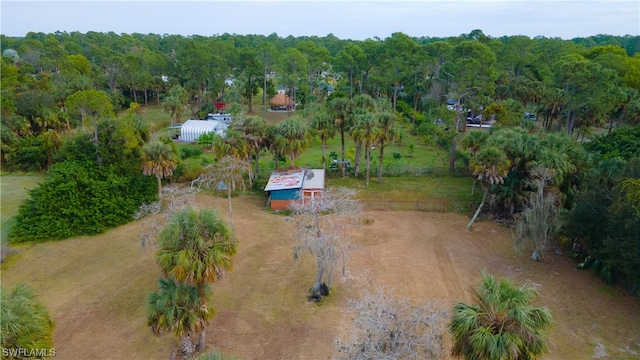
(192, 129)
(287, 194)
(279, 204)
(311, 194)
(280, 199)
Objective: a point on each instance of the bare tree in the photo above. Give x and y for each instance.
(157, 213)
(535, 224)
(224, 175)
(389, 327)
(322, 228)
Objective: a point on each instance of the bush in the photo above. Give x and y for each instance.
(27, 156)
(187, 152)
(178, 173)
(206, 140)
(605, 223)
(624, 143)
(81, 199)
(207, 109)
(26, 323)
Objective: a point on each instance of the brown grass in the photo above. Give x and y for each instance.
(96, 287)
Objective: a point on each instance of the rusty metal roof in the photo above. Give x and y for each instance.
(283, 181)
(303, 178)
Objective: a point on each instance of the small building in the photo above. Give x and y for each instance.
(294, 185)
(224, 117)
(313, 185)
(326, 89)
(191, 130)
(281, 102)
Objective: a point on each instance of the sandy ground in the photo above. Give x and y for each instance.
(96, 287)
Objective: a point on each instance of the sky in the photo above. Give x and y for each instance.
(351, 19)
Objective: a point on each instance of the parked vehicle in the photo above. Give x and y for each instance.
(337, 164)
(474, 119)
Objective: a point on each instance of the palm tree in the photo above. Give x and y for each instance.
(177, 307)
(196, 247)
(234, 144)
(490, 166)
(527, 151)
(361, 105)
(366, 132)
(25, 322)
(270, 143)
(501, 324)
(175, 103)
(325, 129)
(559, 152)
(340, 110)
(387, 133)
(473, 142)
(160, 160)
(293, 137)
(254, 130)
(523, 150)
(551, 106)
(356, 136)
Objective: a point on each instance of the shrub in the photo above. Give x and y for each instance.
(81, 199)
(26, 323)
(28, 155)
(187, 152)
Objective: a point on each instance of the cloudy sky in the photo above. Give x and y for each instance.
(355, 19)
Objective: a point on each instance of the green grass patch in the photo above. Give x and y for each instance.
(455, 192)
(423, 154)
(14, 189)
(608, 291)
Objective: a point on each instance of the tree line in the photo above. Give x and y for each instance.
(571, 85)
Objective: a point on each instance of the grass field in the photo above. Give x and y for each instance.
(13, 189)
(95, 287)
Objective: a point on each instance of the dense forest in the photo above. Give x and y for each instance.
(574, 85)
(71, 103)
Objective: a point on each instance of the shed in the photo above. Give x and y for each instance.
(313, 184)
(294, 185)
(192, 129)
(282, 102)
(224, 117)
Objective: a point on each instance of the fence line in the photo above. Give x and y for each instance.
(418, 205)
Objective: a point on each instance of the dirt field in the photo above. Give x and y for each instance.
(96, 287)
